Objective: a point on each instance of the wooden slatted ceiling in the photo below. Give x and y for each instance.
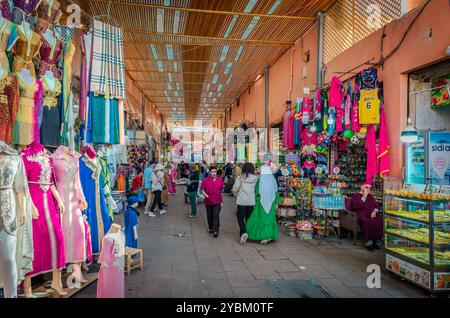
(197, 41)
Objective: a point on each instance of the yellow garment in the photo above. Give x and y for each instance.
(369, 107)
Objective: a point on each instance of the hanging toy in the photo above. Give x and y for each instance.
(348, 134)
(362, 133)
(331, 122)
(321, 139)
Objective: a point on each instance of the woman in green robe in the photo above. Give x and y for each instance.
(262, 224)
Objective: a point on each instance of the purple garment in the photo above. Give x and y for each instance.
(372, 229)
(27, 8)
(48, 62)
(6, 9)
(23, 11)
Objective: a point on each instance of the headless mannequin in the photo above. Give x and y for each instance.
(115, 228)
(50, 37)
(26, 75)
(56, 274)
(51, 80)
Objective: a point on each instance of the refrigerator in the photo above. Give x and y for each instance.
(429, 159)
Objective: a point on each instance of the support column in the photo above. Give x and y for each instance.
(266, 104)
(320, 19)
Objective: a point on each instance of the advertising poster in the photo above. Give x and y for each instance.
(442, 281)
(407, 270)
(415, 162)
(439, 152)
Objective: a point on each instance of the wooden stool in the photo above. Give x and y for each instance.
(129, 253)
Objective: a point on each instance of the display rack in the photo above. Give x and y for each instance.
(417, 241)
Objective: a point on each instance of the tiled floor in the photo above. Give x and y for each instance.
(198, 265)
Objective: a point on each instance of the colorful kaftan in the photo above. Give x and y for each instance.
(51, 124)
(9, 105)
(49, 54)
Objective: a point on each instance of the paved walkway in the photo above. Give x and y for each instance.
(198, 265)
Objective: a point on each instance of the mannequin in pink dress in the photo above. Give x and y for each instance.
(173, 174)
(71, 192)
(47, 233)
(111, 280)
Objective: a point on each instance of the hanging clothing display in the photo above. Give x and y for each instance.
(107, 70)
(309, 137)
(6, 8)
(83, 77)
(49, 12)
(15, 203)
(23, 10)
(8, 38)
(67, 74)
(369, 106)
(70, 190)
(25, 49)
(131, 224)
(9, 105)
(68, 126)
(47, 232)
(383, 148)
(288, 133)
(367, 79)
(111, 278)
(297, 122)
(51, 125)
(97, 211)
(103, 120)
(49, 54)
(29, 115)
(106, 186)
(372, 166)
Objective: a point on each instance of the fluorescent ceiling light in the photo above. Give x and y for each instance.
(213, 69)
(228, 67)
(160, 66)
(176, 21)
(170, 77)
(238, 55)
(231, 26)
(160, 20)
(220, 87)
(250, 5)
(215, 79)
(250, 27)
(229, 79)
(225, 50)
(166, 3)
(154, 53)
(175, 66)
(169, 49)
(274, 7)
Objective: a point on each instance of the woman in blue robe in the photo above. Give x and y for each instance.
(131, 222)
(97, 211)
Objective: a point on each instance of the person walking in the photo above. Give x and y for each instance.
(244, 190)
(148, 184)
(157, 187)
(173, 175)
(192, 189)
(262, 224)
(212, 190)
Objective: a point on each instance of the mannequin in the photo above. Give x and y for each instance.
(25, 48)
(47, 233)
(50, 131)
(26, 75)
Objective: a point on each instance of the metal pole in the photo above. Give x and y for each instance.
(320, 19)
(266, 105)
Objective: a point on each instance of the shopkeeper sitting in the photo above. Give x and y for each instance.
(369, 217)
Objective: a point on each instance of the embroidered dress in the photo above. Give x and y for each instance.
(8, 38)
(29, 115)
(6, 9)
(15, 200)
(25, 49)
(47, 233)
(51, 125)
(70, 190)
(131, 224)
(9, 105)
(97, 212)
(49, 55)
(23, 10)
(111, 278)
(48, 13)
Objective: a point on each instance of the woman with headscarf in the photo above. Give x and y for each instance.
(262, 224)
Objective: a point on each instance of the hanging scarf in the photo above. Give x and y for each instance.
(267, 188)
(383, 148)
(372, 167)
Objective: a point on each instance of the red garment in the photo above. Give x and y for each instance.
(136, 184)
(371, 148)
(383, 148)
(372, 229)
(213, 189)
(309, 137)
(9, 104)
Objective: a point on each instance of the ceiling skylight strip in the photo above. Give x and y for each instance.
(213, 69)
(250, 27)
(250, 5)
(229, 79)
(219, 88)
(154, 53)
(225, 50)
(175, 67)
(170, 77)
(178, 86)
(215, 79)
(231, 26)
(169, 49)
(274, 7)
(238, 55)
(167, 3)
(160, 66)
(169, 86)
(228, 67)
(176, 21)
(176, 94)
(160, 20)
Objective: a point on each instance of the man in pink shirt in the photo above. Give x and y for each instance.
(212, 190)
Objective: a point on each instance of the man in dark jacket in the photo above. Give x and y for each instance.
(192, 190)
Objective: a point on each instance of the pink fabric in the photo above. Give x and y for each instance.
(87, 240)
(309, 164)
(309, 138)
(383, 148)
(47, 233)
(83, 80)
(111, 280)
(307, 110)
(335, 93)
(70, 190)
(288, 130)
(213, 189)
(355, 117)
(173, 174)
(372, 167)
(38, 108)
(347, 112)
